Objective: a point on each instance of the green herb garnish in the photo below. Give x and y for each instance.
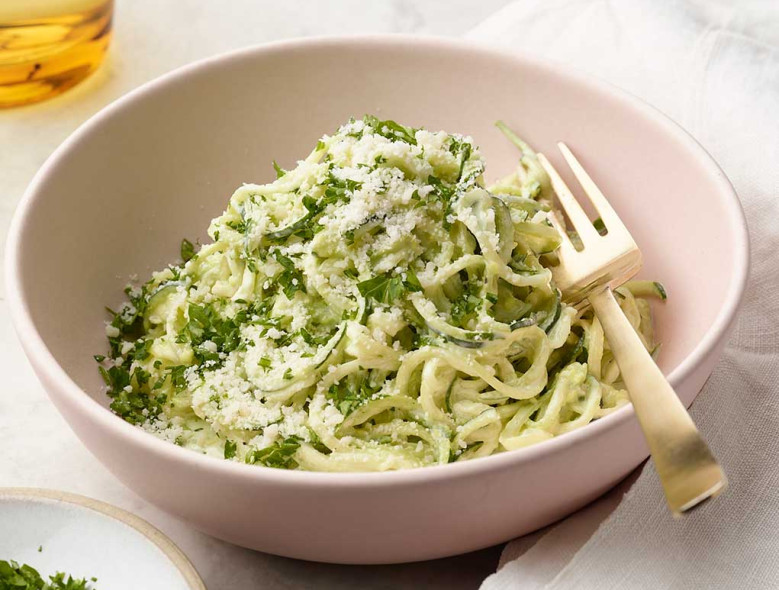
(290, 279)
(280, 454)
(347, 399)
(390, 129)
(24, 577)
(187, 250)
(388, 288)
(382, 288)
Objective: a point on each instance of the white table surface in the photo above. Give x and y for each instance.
(151, 38)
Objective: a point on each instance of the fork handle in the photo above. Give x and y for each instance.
(687, 469)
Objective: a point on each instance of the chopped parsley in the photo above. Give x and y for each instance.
(231, 447)
(382, 288)
(411, 283)
(461, 149)
(187, 250)
(390, 129)
(207, 324)
(388, 288)
(240, 226)
(14, 576)
(129, 401)
(290, 278)
(464, 307)
(281, 454)
(348, 398)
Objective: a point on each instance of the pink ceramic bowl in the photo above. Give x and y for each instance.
(117, 197)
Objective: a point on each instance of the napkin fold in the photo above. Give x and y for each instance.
(714, 68)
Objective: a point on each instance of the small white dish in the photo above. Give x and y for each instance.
(56, 531)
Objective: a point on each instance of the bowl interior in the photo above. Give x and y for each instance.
(157, 166)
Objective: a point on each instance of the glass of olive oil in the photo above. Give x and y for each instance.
(48, 46)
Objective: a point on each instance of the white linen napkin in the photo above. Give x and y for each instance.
(714, 68)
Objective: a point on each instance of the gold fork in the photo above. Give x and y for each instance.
(688, 471)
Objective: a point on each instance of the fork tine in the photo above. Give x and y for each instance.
(581, 223)
(610, 218)
(566, 246)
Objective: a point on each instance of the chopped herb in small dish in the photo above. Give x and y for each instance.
(15, 576)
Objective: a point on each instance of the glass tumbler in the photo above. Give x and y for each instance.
(48, 46)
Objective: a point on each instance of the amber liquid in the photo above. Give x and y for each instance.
(48, 46)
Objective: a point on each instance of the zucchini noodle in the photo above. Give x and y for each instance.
(374, 308)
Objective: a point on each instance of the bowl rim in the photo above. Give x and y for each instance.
(48, 369)
(148, 531)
